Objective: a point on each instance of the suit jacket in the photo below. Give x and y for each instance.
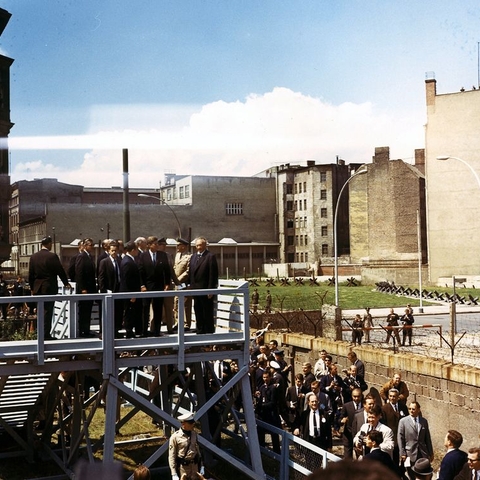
(85, 273)
(391, 417)
(384, 458)
(358, 420)
(108, 279)
(324, 440)
(203, 271)
(130, 280)
(413, 443)
(452, 464)
(154, 276)
(292, 397)
(43, 270)
(465, 473)
(349, 411)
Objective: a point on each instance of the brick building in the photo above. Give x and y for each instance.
(383, 219)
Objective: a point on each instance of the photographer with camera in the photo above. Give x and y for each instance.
(373, 423)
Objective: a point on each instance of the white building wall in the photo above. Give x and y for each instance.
(453, 194)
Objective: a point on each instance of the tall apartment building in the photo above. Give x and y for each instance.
(453, 190)
(306, 199)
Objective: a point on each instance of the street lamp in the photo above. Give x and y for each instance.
(360, 171)
(163, 202)
(448, 157)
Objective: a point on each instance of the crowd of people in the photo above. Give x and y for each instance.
(375, 425)
(140, 265)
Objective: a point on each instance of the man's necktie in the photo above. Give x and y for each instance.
(154, 257)
(315, 429)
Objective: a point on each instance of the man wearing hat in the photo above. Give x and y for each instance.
(183, 450)
(182, 271)
(423, 469)
(43, 271)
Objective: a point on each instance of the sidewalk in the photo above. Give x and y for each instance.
(439, 309)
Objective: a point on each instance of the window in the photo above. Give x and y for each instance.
(296, 205)
(324, 231)
(305, 187)
(187, 191)
(306, 256)
(288, 188)
(323, 176)
(323, 194)
(300, 187)
(301, 257)
(290, 257)
(290, 205)
(306, 240)
(234, 208)
(305, 204)
(324, 249)
(290, 223)
(301, 239)
(290, 240)
(296, 239)
(182, 192)
(298, 257)
(169, 194)
(323, 212)
(305, 222)
(296, 188)
(299, 204)
(296, 222)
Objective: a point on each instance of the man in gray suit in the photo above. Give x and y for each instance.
(414, 440)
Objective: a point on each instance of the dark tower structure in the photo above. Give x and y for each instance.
(5, 127)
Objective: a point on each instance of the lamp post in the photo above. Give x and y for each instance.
(163, 202)
(54, 241)
(448, 157)
(360, 171)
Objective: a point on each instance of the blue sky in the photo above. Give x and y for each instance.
(224, 87)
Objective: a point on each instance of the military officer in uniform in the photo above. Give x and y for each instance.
(183, 450)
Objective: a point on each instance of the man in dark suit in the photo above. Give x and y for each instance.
(471, 470)
(315, 427)
(373, 440)
(43, 271)
(347, 416)
(109, 281)
(295, 399)
(392, 412)
(266, 407)
(86, 283)
(130, 281)
(361, 416)
(155, 274)
(203, 275)
(454, 459)
(414, 440)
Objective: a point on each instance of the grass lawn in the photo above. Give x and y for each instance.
(294, 297)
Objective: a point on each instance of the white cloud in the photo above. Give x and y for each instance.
(227, 138)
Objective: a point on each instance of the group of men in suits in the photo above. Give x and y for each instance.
(139, 266)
